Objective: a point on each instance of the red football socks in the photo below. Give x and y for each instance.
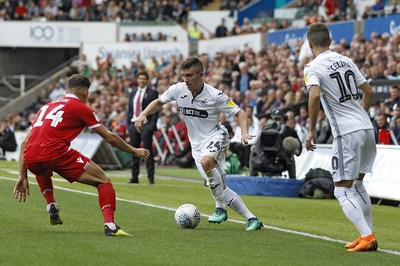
(46, 187)
(107, 201)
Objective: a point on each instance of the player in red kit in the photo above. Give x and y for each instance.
(46, 149)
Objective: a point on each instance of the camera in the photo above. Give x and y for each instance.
(270, 158)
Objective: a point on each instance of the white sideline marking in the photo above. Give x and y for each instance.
(394, 252)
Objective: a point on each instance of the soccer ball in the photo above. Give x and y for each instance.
(187, 216)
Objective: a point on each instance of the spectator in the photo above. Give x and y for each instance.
(243, 151)
(395, 127)
(246, 27)
(57, 92)
(32, 9)
(145, 11)
(378, 6)
(394, 100)
(86, 71)
(194, 33)
(291, 122)
(113, 10)
(244, 78)
(221, 30)
(289, 94)
(179, 12)
(128, 13)
(236, 29)
(380, 123)
(266, 99)
(167, 10)
(182, 155)
(7, 137)
(300, 97)
(303, 117)
(21, 12)
(31, 118)
(50, 11)
(78, 63)
(323, 129)
(76, 13)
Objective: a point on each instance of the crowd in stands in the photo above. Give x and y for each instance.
(99, 10)
(246, 28)
(148, 37)
(261, 81)
(338, 10)
(233, 5)
(256, 80)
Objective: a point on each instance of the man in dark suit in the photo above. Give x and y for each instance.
(139, 98)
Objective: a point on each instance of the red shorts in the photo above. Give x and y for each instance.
(70, 165)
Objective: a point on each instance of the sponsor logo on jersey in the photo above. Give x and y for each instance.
(203, 101)
(79, 160)
(220, 93)
(194, 112)
(306, 79)
(184, 96)
(231, 103)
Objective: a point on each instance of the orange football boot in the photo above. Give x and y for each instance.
(354, 243)
(367, 243)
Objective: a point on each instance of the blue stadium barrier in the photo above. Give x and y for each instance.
(264, 186)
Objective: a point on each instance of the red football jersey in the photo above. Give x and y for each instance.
(56, 125)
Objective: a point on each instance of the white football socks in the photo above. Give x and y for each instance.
(112, 226)
(364, 201)
(236, 203)
(352, 209)
(50, 204)
(217, 188)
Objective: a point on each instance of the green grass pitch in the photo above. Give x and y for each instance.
(297, 231)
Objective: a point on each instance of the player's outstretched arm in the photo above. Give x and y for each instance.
(242, 119)
(21, 188)
(119, 143)
(153, 107)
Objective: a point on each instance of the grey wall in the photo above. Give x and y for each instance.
(42, 62)
(32, 61)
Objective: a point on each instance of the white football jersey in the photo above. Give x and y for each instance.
(338, 78)
(201, 113)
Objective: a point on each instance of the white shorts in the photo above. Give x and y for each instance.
(214, 146)
(352, 154)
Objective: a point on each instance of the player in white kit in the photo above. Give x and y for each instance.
(201, 105)
(334, 80)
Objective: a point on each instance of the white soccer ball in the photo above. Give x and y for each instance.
(187, 216)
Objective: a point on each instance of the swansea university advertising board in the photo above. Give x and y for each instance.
(339, 31)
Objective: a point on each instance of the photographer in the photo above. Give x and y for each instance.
(274, 151)
(7, 138)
